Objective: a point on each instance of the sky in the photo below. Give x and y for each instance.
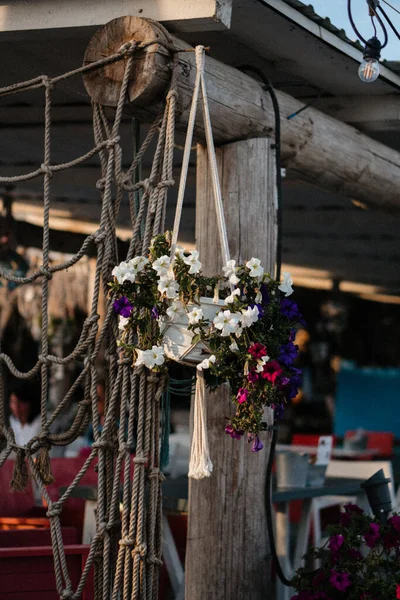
(336, 10)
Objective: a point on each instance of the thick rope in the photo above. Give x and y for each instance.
(132, 416)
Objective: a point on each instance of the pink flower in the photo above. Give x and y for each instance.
(258, 350)
(372, 536)
(340, 581)
(272, 370)
(398, 590)
(252, 377)
(241, 396)
(234, 433)
(335, 542)
(395, 522)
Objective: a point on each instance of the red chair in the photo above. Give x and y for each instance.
(381, 440)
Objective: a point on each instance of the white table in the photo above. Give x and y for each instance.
(334, 486)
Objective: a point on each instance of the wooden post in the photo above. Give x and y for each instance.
(317, 147)
(227, 547)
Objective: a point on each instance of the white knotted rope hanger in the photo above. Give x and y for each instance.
(200, 464)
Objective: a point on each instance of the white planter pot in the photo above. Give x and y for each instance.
(177, 339)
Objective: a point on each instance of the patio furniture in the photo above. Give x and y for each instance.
(336, 452)
(378, 440)
(282, 498)
(347, 470)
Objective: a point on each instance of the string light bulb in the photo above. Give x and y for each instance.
(368, 70)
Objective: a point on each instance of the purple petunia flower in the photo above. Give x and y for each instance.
(288, 354)
(372, 536)
(253, 376)
(289, 386)
(123, 307)
(261, 311)
(236, 434)
(289, 309)
(336, 542)
(257, 445)
(154, 313)
(340, 581)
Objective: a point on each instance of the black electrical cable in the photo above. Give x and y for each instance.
(268, 510)
(269, 88)
(268, 477)
(389, 21)
(358, 34)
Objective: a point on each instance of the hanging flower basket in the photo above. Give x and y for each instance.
(182, 344)
(237, 327)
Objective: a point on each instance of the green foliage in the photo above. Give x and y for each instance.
(360, 561)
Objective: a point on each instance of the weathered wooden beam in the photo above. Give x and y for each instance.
(319, 148)
(227, 545)
(183, 15)
(31, 236)
(368, 113)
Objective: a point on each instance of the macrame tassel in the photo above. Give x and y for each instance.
(166, 429)
(20, 476)
(200, 464)
(43, 465)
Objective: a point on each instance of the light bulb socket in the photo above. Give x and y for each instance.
(372, 49)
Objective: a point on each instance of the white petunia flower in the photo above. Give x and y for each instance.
(249, 316)
(122, 322)
(234, 347)
(239, 332)
(161, 265)
(286, 285)
(139, 262)
(230, 272)
(169, 287)
(179, 251)
(261, 362)
(193, 261)
(124, 272)
(258, 297)
(150, 358)
(231, 298)
(176, 310)
(195, 316)
(205, 364)
(256, 269)
(227, 322)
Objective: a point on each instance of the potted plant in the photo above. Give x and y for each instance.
(360, 561)
(237, 327)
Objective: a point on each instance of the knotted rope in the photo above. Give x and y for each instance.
(132, 416)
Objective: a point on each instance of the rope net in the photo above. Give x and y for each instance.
(125, 551)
